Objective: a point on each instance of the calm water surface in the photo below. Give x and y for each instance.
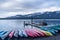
(19, 23)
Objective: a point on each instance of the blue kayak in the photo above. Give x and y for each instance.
(56, 27)
(20, 33)
(4, 34)
(53, 29)
(1, 31)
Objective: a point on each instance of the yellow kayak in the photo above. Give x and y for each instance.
(48, 33)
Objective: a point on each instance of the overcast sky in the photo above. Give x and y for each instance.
(23, 7)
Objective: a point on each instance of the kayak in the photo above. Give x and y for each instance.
(16, 33)
(45, 32)
(56, 28)
(5, 34)
(47, 29)
(34, 33)
(39, 32)
(48, 33)
(1, 34)
(1, 31)
(30, 33)
(24, 33)
(11, 34)
(20, 33)
(53, 29)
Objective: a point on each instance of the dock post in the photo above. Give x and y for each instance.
(31, 22)
(24, 24)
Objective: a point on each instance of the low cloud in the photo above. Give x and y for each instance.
(23, 7)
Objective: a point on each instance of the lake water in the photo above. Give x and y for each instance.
(14, 24)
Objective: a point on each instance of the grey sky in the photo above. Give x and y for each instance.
(23, 7)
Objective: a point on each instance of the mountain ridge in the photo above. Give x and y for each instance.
(38, 15)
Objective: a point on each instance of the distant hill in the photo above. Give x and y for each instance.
(38, 15)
